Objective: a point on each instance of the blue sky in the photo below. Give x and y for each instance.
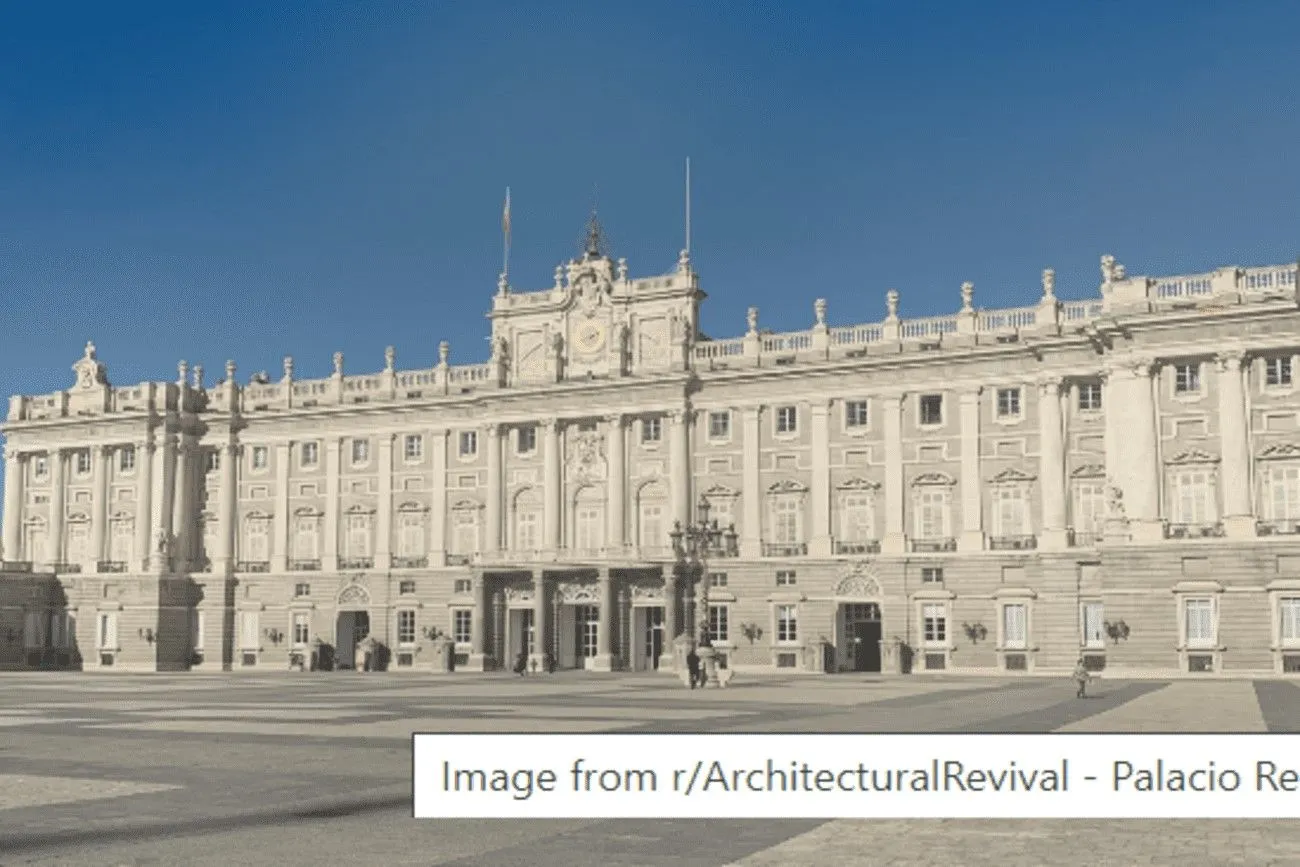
(213, 181)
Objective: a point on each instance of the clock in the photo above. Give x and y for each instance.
(590, 336)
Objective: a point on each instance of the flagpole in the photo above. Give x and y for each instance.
(505, 230)
(688, 205)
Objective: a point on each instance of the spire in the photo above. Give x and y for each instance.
(595, 240)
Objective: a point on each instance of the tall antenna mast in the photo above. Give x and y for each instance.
(688, 204)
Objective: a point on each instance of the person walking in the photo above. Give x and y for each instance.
(1081, 678)
(693, 667)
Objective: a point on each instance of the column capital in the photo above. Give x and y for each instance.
(680, 415)
(1230, 361)
(1134, 367)
(1049, 384)
(894, 397)
(145, 445)
(492, 429)
(615, 419)
(12, 454)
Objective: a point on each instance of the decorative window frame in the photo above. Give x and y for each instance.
(1019, 398)
(296, 522)
(365, 459)
(452, 611)
(1004, 598)
(651, 492)
(1196, 396)
(77, 457)
(786, 643)
(933, 595)
(857, 487)
(468, 436)
(1211, 591)
(943, 411)
(1278, 590)
(355, 511)
(122, 453)
(788, 491)
(1293, 361)
(793, 432)
(1100, 644)
(1269, 461)
(723, 494)
(1022, 483)
(410, 611)
(253, 452)
(651, 424)
(246, 523)
(856, 430)
(412, 456)
(1090, 411)
(534, 502)
(587, 497)
(41, 466)
(519, 440)
(1189, 461)
(926, 483)
(311, 447)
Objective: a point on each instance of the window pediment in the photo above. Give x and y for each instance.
(466, 506)
(360, 510)
(1012, 476)
(412, 507)
(307, 512)
(858, 483)
(1193, 456)
(1089, 471)
(933, 479)
(1280, 451)
(721, 492)
(788, 486)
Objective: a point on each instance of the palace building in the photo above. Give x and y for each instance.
(989, 491)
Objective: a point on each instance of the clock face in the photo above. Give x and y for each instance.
(591, 336)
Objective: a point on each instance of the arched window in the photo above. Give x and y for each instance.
(652, 517)
(589, 519)
(527, 521)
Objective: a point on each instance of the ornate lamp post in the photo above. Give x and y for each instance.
(693, 545)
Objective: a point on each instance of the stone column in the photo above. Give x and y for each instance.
(1051, 465)
(13, 517)
(144, 536)
(329, 561)
(495, 492)
(181, 530)
(666, 656)
(540, 611)
(99, 456)
(54, 543)
(164, 495)
(604, 658)
(820, 540)
(553, 502)
(438, 508)
(479, 658)
(616, 492)
(283, 520)
(1137, 464)
(679, 466)
(895, 541)
(972, 488)
(384, 517)
(751, 525)
(228, 504)
(1234, 433)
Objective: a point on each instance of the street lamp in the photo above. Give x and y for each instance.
(693, 545)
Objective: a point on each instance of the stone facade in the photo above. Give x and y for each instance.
(996, 490)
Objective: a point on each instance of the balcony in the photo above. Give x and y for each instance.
(110, 566)
(870, 546)
(458, 559)
(932, 546)
(1287, 527)
(410, 562)
(1194, 531)
(66, 568)
(1084, 539)
(253, 566)
(304, 565)
(16, 566)
(356, 563)
(1013, 543)
(785, 549)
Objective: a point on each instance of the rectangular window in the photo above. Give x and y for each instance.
(785, 521)
(719, 425)
(1194, 498)
(260, 457)
(1089, 396)
(310, 454)
(1090, 507)
(1009, 512)
(413, 447)
(406, 588)
(1094, 628)
(301, 590)
(463, 585)
(41, 467)
(214, 461)
(83, 462)
(301, 629)
(717, 579)
(248, 634)
(588, 523)
(468, 443)
(930, 409)
(932, 515)
(934, 625)
(855, 413)
(406, 627)
(1015, 626)
(527, 440)
(587, 619)
(651, 430)
(1008, 403)
(719, 624)
(652, 526)
(1187, 378)
(1198, 623)
(787, 419)
(1288, 610)
(126, 459)
(786, 578)
(1277, 371)
(931, 574)
(526, 531)
(787, 624)
(462, 626)
(856, 523)
(360, 451)
(1284, 493)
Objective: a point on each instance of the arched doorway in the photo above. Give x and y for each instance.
(352, 626)
(858, 619)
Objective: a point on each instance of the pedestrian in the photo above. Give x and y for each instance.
(693, 667)
(521, 664)
(1081, 677)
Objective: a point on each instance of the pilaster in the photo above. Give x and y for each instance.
(181, 530)
(144, 450)
(604, 659)
(1136, 452)
(1234, 427)
(679, 465)
(164, 495)
(438, 503)
(280, 537)
(13, 518)
(616, 494)
(99, 456)
(329, 561)
(537, 659)
(671, 624)
(552, 507)
(751, 532)
(819, 543)
(1051, 470)
(480, 659)
(895, 541)
(58, 492)
(495, 493)
(972, 488)
(227, 503)
(384, 516)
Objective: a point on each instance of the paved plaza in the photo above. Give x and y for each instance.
(315, 769)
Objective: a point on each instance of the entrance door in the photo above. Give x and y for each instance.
(353, 627)
(654, 635)
(862, 627)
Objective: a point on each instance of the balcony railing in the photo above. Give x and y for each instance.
(1084, 538)
(356, 563)
(110, 566)
(304, 565)
(410, 562)
(785, 549)
(66, 568)
(16, 566)
(253, 566)
(1013, 543)
(1194, 531)
(870, 546)
(458, 559)
(933, 545)
(1287, 527)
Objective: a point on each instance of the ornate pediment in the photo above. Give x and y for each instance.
(788, 486)
(1012, 476)
(1280, 451)
(466, 505)
(934, 479)
(518, 594)
(640, 593)
(573, 593)
(721, 492)
(858, 484)
(587, 456)
(859, 581)
(354, 592)
(409, 506)
(1089, 471)
(1194, 456)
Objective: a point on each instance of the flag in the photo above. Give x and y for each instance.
(505, 215)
